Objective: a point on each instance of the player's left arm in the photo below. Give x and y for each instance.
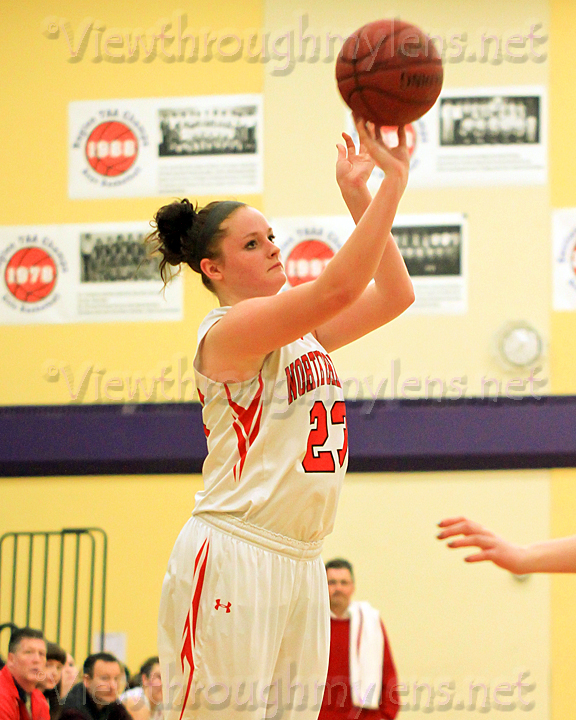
(391, 292)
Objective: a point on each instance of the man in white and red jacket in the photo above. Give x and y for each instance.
(24, 669)
(361, 682)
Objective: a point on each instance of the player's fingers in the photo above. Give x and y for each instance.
(401, 135)
(365, 135)
(477, 557)
(480, 541)
(371, 130)
(341, 151)
(360, 126)
(451, 521)
(462, 526)
(349, 144)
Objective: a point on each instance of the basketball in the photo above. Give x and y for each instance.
(389, 72)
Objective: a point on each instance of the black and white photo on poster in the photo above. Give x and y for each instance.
(490, 120)
(430, 250)
(112, 257)
(208, 131)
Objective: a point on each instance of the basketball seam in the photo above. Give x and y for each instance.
(400, 98)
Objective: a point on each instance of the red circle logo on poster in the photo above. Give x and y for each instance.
(30, 274)
(307, 260)
(112, 148)
(390, 136)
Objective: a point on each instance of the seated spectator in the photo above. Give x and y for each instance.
(20, 699)
(134, 682)
(69, 676)
(145, 702)
(55, 659)
(97, 696)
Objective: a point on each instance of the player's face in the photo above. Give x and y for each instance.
(340, 587)
(249, 262)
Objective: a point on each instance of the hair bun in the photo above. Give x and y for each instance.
(174, 223)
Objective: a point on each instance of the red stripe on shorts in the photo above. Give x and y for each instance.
(189, 633)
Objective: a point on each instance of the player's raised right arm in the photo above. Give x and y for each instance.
(256, 326)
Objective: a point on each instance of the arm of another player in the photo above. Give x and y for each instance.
(557, 555)
(392, 291)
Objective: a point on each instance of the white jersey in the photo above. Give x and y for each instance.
(278, 443)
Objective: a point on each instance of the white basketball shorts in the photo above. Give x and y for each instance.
(244, 624)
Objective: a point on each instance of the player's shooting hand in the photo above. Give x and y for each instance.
(394, 160)
(352, 168)
(501, 552)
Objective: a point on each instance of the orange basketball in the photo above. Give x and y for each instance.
(389, 72)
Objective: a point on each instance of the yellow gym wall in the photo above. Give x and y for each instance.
(447, 621)
(563, 351)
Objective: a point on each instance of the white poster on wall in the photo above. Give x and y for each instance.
(433, 248)
(200, 145)
(564, 259)
(477, 136)
(82, 273)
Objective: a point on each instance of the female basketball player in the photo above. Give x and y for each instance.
(244, 615)
(551, 556)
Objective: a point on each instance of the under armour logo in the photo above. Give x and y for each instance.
(222, 605)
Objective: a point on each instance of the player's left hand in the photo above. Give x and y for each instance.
(352, 168)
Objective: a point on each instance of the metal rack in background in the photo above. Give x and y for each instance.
(55, 581)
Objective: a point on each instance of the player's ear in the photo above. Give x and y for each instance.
(211, 268)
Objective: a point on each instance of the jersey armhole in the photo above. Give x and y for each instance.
(208, 379)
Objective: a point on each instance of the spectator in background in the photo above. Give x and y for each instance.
(55, 661)
(69, 675)
(145, 702)
(361, 681)
(6, 626)
(20, 698)
(97, 696)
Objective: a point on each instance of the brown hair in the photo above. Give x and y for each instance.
(185, 235)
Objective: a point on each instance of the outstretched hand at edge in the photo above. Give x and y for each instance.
(492, 547)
